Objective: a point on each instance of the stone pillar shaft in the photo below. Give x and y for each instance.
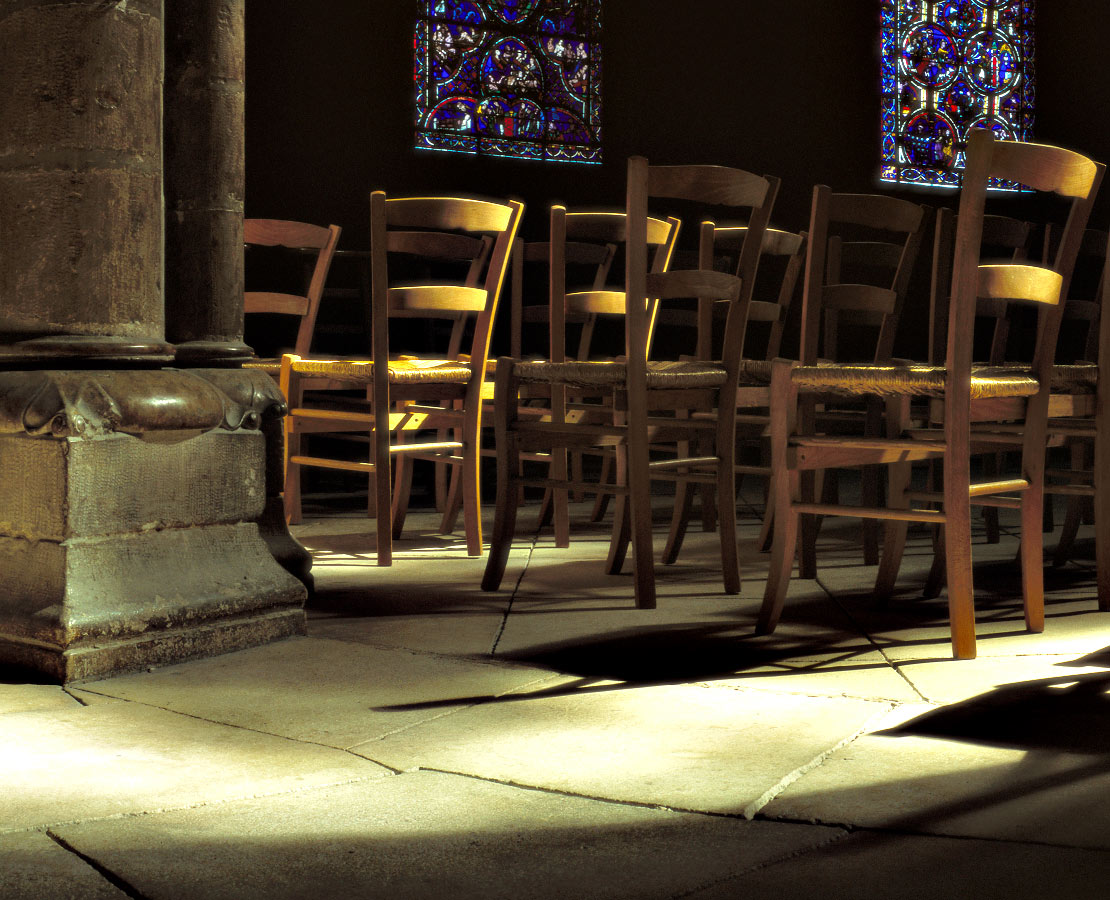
(204, 118)
(80, 181)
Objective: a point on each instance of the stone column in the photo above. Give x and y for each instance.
(131, 496)
(81, 182)
(204, 120)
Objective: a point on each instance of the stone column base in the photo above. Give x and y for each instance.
(130, 505)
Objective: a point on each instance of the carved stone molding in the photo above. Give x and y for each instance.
(165, 404)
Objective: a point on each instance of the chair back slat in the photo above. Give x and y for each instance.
(878, 211)
(273, 302)
(293, 235)
(437, 244)
(1044, 168)
(1016, 282)
(448, 213)
(283, 233)
(692, 283)
(876, 266)
(717, 185)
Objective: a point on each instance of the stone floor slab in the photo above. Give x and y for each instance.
(34, 867)
(681, 746)
(16, 698)
(336, 693)
(421, 835)
(115, 758)
(872, 866)
(1027, 764)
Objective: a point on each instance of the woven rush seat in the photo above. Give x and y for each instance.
(1077, 378)
(401, 371)
(269, 366)
(660, 375)
(987, 382)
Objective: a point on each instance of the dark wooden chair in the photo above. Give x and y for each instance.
(639, 386)
(965, 402)
(303, 306)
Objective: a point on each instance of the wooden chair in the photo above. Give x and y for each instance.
(789, 249)
(963, 400)
(862, 252)
(293, 236)
(1007, 239)
(638, 386)
(410, 395)
(586, 256)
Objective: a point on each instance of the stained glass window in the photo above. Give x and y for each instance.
(949, 66)
(510, 78)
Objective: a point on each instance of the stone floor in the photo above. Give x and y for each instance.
(551, 741)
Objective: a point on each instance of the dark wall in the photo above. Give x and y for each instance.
(787, 87)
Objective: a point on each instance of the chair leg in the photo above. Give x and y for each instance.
(870, 495)
(894, 532)
(382, 490)
(453, 502)
(680, 518)
(639, 508)
(785, 489)
(471, 466)
(601, 501)
(992, 465)
(622, 528)
(957, 551)
(807, 527)
(292, 492)
(1032, 558)
(508, 468)
(767, 529)
(1072, 519)
(560, 498)
(402, 490)
(726, 494)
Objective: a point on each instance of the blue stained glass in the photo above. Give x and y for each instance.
(509, 78)
(949, 66)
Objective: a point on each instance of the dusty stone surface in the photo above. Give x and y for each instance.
(879, 866)
(1033, 772)
(329, 692)
(118, 758)
(205, 173)
(628, 742)
(35, 867)
(422, 834)
(16, 698)
(80, 181)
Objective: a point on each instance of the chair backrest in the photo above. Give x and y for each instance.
(736, 193)
(1082, 313)
(477, 233)
(862, 248)
(790, 249)
(580, 237)
(1004, 238)
(294, 236)
(1065, 173)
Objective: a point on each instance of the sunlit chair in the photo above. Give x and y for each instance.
(639, 386)
(411, 400)
(965, 401)
(1005, 239)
